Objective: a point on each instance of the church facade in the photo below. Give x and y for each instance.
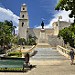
(51, 34)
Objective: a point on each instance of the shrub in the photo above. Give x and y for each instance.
(19, 54)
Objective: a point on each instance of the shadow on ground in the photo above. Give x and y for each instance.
(35, 53)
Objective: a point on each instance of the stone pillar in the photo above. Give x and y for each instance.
(43, 39)
(22, 55)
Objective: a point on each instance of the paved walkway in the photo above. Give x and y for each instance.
(48, 67)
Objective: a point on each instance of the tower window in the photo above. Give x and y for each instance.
(23, 8)
(56, 24)
(22, 24)
(22, 16)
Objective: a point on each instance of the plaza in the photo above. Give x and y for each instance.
(47, 54)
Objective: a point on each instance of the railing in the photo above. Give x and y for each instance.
(11, 50)
(30, 51)
(17, 48)
(23, 49)
(63, 51)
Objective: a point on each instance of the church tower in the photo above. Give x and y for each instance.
(23, 22)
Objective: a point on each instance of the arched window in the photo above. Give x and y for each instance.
(22, 24)
(56, 24)
(22, 16)
(23, 8)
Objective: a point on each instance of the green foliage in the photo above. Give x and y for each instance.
(15, 41)
(68, 36)
(30, 41)
(6, 36)
(67, 5)
(17, 54)
(21, 41)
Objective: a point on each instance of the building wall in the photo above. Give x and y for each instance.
(25, 13)
(63, 24)
(36, 32)
(54, 41)
(60, 25)
(22, 30)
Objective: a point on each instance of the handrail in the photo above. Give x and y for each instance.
(63, 51)
(12, 49)
(19, 48)
(16, 48)
(30, 51)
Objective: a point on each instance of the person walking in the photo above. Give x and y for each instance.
(71, 53)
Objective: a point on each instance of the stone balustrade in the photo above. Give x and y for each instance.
(64, 51)
(30, 51)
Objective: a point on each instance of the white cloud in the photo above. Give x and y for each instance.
(64, 15)
(6, 14)
(43, 19)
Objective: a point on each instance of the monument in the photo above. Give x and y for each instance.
(43, 39)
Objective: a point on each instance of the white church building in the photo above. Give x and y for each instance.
(49, 34)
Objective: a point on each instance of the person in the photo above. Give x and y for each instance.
(26, 61)
(27, 58)
(71, 53)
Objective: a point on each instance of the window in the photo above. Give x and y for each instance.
(22, 16)
(22, 24)
(56, 24)
(23, 8)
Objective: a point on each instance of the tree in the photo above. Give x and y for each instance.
(68, 36)
(67, 5)
(21, 41)
(6, 35)
(30, 41)
(15, 41)
(10, 24)
(68, 33)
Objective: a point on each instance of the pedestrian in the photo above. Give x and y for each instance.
(71, 53)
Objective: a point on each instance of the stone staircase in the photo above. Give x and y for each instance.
(43, 45)
(47, 53)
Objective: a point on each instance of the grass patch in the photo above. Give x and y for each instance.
(15, 54)
(12, 69)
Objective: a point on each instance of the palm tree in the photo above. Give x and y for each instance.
(10, 23)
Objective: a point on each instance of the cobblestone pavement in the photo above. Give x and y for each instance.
(47, 67)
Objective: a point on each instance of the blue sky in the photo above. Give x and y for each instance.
(38, 10)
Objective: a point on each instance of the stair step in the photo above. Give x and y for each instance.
(47, 53)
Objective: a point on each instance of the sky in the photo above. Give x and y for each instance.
(38, 10)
